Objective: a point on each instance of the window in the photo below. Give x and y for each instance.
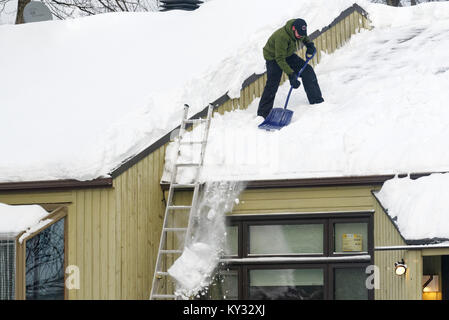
(287, 284)
(45, 264)
(286, 239)
(7, 269)
(349, 283)
(296, 256)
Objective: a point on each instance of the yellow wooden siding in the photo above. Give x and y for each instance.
(316, 199)
(140, 211)
(393, 287)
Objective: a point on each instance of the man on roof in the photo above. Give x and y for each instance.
(279, 53)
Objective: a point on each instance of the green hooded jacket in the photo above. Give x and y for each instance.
(281, 45)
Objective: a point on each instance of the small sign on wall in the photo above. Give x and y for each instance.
(352, 242)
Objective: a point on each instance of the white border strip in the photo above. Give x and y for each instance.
(365, 257)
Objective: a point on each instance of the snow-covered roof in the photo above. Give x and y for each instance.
(80, 96)
(15, 219)
(385, 110)
(90, 93)
(419, 208)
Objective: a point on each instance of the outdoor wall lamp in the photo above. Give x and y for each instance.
(400, 267)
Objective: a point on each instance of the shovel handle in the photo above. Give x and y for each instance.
(299, 73)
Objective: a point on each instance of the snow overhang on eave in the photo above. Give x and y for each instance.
(412, 244)
(321, 182)
(55, 185)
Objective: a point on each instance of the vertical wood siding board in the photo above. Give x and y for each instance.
(338, 35)
(156, 214)
(149, 219)
(341, 25)
(105, 221)
(146, 190)
(152, 221)
(88, 245)
(252, 91)
(348, 28)
(319, 48)
(138, 231)
(71, 241)
(129, 246)
(354, 23)
(80, 240)
(125, 239)
(327, 35)
(248, 96)
(134, 239)
(132, 192)
(112, 214)
(95, 260)
(260, 87)
(334, 39)
(230, 105)
(118, 236)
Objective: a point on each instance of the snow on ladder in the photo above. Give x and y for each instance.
(169, 247)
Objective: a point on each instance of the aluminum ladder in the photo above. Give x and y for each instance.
(161, 276)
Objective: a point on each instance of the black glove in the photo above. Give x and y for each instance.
(310, 48)
(294, 82)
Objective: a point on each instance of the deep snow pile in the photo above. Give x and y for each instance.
(78, 97)
(385, 110)
(418, 207)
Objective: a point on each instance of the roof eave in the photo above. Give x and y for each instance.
(322, 182)
(68, 184)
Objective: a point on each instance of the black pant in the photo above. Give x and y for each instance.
(274, 74)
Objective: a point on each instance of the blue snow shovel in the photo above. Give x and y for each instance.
(281, 117)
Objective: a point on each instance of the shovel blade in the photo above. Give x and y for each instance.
(277, 119)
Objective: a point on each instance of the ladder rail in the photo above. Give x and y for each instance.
(169, 200)
(169, 204)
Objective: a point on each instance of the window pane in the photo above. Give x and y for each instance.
(286, 239)
(286, 284)
(224, 286)
(45, 264)
(351, 237)
(232, 241)
(7, 269)
(350, 284)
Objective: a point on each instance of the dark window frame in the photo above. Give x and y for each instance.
(56, 215)
(247, 267)
(370, 244)
(246, 238)
(333, 266)
(244, 221)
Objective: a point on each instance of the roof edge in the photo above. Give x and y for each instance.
(55, 184)
(322, 182)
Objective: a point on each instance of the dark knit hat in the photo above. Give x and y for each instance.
(301, 26)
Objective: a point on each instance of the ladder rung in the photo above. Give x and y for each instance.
(164, 296)
(175, 229)
(183, 186)
(188, 164)
(170, 251)
(179, 207)
(194, 120)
